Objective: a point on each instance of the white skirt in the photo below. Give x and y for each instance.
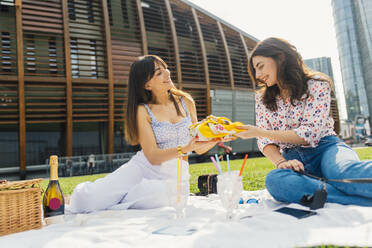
(136, 184)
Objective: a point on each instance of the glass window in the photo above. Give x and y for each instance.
(9, 146)
(154, 16)
(74, 58)
(6, 62)
(93, 59)
(109, 7)
(88, 138)
(120, 144)
(71, 10)
(124, 10)
(52, 55)
(90, 11)
(30, 58)
(43, 140)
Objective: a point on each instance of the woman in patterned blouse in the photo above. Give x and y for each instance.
(295, 130)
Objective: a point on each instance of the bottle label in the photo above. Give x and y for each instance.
(50, 213)
(54, 203)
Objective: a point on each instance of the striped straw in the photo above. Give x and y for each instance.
(218, 160)
(216, 165)
(245, 160)
(228, 162)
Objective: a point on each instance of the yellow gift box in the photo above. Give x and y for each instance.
(214, 127)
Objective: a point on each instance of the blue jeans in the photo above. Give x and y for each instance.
(332, 159)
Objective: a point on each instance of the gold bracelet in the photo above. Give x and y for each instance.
(179, 151)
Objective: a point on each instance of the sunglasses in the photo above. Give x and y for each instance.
(249, 201)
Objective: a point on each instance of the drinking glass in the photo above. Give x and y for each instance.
(229, 188)
(178, 194)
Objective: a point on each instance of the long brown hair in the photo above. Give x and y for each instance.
(291, 71)
(141, 71)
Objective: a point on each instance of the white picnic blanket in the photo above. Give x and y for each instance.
(204, 226)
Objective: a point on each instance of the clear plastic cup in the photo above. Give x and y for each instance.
(178, 194)
(229, 189)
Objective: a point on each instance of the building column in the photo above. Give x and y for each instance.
(110, 133)
(21, 92)
(141, 20)
(204, 56)
(175, 43)
(247, 56)
(66, 36)
(227, 53)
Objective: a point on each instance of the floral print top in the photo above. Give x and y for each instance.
(169, 135)
(309, 118)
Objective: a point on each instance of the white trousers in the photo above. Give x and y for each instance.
(136, 184)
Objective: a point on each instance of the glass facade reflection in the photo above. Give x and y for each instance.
(322, 64)
(89, 138)
(43, 140)
(120, 144)
(353, 25)
(9, 146)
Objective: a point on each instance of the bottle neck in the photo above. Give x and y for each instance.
(54, 172)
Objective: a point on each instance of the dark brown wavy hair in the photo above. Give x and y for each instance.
(141, 71)
(292, 73)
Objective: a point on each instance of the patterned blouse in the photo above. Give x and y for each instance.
(309, 118)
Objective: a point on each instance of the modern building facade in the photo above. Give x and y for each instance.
(353, 25)
(64, 67)
(322, 64)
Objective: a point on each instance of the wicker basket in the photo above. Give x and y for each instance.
(20, 206)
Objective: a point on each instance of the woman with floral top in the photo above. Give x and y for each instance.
(296, 132)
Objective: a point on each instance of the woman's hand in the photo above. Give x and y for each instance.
(199, 146)
(228, 138)
(291, 164)
(249, 133)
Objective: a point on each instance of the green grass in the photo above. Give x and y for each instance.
(364, 153)
(254, 172)
(253, 176)
(69, 183)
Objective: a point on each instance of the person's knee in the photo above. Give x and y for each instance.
(275, 183)
(148, 194)
(273, 178)
(81, 199)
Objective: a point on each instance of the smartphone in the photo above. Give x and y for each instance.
(298, 213)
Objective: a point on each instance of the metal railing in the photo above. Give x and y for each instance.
(83, 165)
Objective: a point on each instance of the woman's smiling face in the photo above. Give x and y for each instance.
(161, 81)
(265, 70)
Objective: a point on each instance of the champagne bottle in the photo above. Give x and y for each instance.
(53, 201)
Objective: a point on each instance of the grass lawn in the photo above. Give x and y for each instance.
(254, 173)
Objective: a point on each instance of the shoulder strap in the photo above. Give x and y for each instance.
(184, 106)
(152, 116)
